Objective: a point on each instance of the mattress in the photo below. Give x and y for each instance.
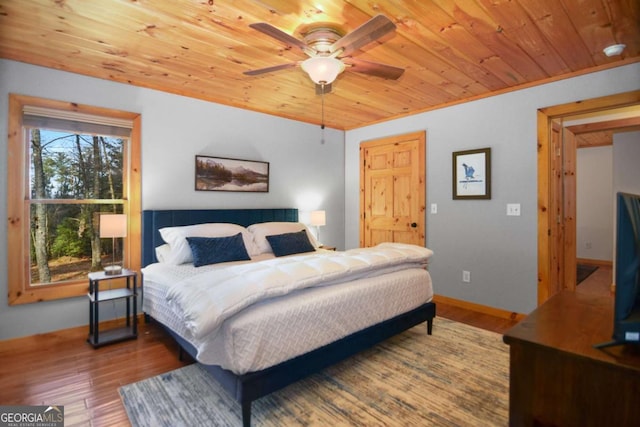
(278, 329)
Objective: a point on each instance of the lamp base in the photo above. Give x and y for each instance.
(112, 270)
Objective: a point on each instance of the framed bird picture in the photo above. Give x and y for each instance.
(472, 174)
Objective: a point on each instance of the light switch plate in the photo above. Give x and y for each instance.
(513, 209)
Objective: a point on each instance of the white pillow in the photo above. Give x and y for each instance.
(163, 252)
(261, 230)
(176, 237)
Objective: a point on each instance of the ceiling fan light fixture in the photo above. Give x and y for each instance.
(614, 50)
(323, 69)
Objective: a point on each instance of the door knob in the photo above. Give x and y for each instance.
(414, 225)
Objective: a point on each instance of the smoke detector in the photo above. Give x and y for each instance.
(614, 50)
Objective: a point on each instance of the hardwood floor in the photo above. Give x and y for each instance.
(598, 283)
(61, 368)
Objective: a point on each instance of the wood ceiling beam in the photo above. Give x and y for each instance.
(628, 124)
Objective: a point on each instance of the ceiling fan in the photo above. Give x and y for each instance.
(330, 52)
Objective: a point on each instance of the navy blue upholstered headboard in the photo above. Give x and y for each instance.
(153, 220)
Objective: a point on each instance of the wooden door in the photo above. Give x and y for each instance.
(562, 229)
(556, 252)
(393, 190)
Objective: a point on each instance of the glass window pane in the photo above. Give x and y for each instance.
(64, 165)
(65, 243)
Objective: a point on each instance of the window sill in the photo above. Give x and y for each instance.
(49, 292)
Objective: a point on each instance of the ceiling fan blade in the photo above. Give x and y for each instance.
(270, 69)
(278, 34)
(374, 68)
(366, 33)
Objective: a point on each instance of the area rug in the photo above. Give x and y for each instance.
(584, 271)
(459, 376)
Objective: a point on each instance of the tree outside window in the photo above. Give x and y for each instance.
(71, 177)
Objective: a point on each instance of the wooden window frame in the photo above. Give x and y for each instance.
(18, 205)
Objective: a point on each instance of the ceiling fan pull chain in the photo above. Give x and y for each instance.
(322, 96)
(322, 124)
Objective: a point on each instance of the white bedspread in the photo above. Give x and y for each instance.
(204, 301)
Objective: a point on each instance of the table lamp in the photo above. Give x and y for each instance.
(318, 219)
(113, 226)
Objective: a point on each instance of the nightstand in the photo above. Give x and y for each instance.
(96, 297)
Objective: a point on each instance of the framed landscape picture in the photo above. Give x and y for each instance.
(472, 174)
(222, 174)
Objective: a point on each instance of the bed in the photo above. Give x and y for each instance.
(250, 351)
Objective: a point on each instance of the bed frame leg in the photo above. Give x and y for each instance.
(429, 326)
(246, 414)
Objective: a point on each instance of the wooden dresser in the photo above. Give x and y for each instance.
(557, 378)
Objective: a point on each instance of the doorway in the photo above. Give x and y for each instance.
(556, 188)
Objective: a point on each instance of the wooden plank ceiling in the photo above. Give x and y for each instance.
(452, 50)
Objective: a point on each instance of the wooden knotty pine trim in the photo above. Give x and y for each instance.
(479, 308)
(598, 262)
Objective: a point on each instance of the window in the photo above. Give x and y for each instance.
(67, 164)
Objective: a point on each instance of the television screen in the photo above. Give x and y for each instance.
(626, 321)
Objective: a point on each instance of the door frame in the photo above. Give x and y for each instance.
(553, 217)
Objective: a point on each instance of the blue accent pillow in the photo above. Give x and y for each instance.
(214, 250)
(290, 243)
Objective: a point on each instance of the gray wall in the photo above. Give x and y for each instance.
(594, 199)
(499, 251)
(304, 173)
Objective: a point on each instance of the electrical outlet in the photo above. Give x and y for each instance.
(434, 208)
(587, 245)
(466, 276)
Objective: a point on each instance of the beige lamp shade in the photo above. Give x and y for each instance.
(318, 218)
(113, 225)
